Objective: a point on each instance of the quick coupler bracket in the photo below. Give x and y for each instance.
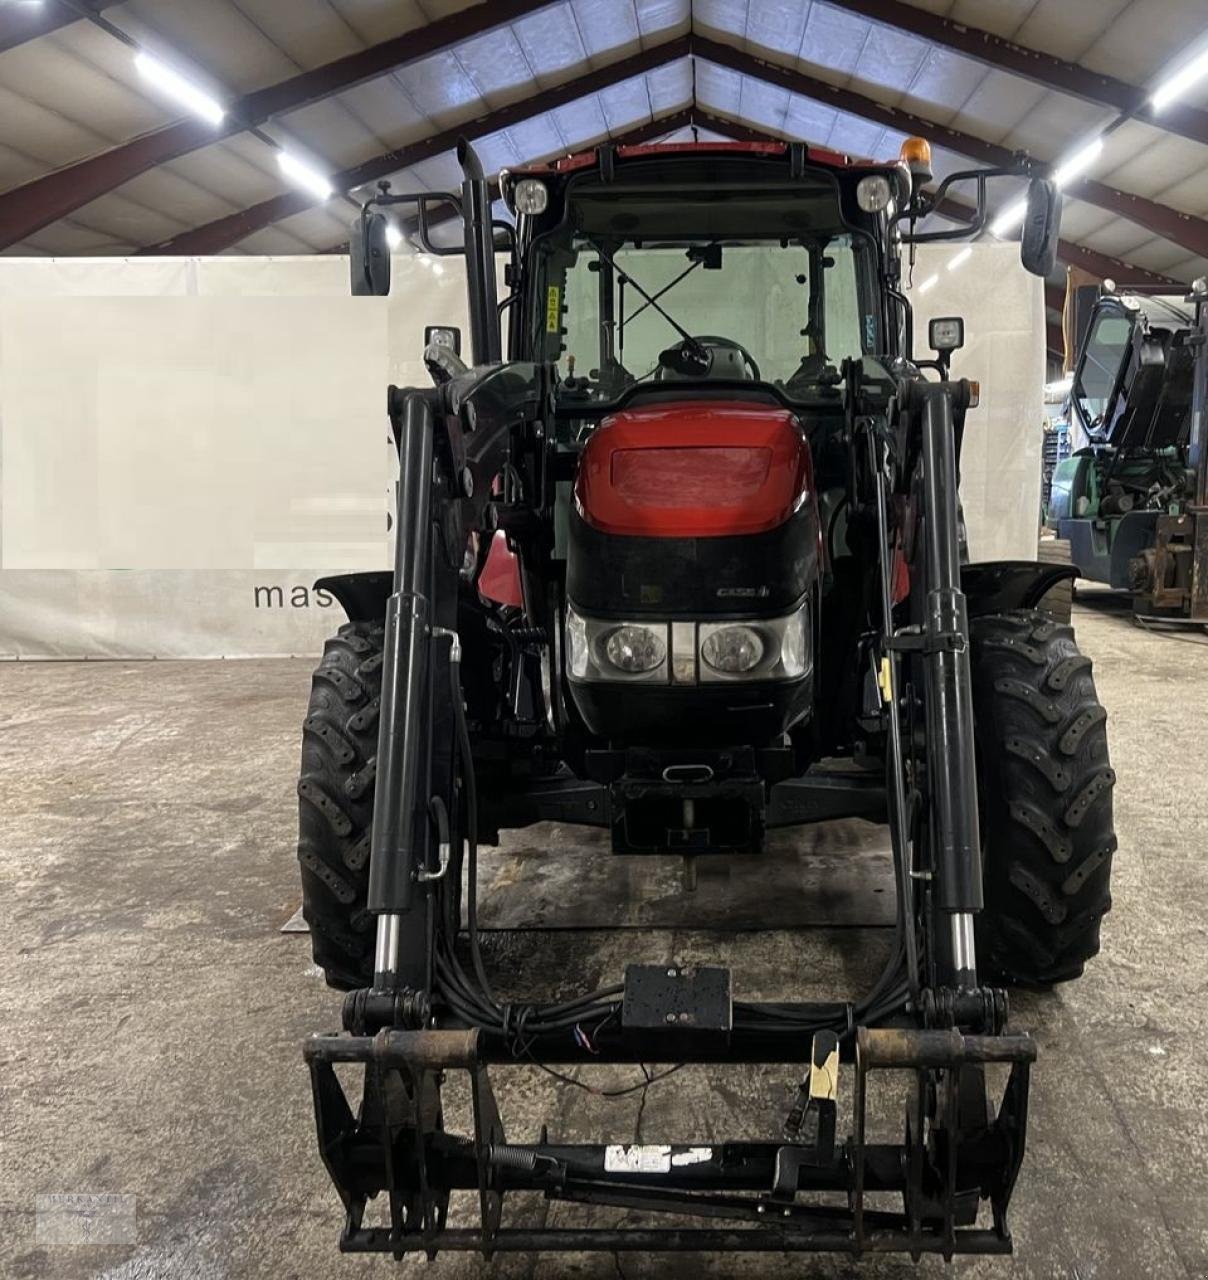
(763, 1196)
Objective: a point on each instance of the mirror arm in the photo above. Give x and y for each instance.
(916, 210)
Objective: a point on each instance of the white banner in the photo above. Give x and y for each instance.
(186, 445)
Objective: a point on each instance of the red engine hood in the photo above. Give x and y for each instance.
(694, 469)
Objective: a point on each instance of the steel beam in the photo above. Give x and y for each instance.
(22, 22)
(1031, 64)
(29, 208)
(221, 234)
(213, 237)
(1181, 228)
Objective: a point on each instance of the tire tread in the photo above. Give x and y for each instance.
(1045, 797)
(335, 802)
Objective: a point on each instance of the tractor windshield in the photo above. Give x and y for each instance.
(764, 287)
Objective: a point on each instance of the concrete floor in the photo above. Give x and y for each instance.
(153, 1012)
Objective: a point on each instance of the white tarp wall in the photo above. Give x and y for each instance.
(185, 445)
(1003, 309)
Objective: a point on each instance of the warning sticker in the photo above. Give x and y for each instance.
(694, 1155)
(637, 1159)
(553, 309)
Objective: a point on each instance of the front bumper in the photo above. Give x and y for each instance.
(756, 713)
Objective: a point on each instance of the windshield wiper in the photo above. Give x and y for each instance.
(675, 324)
(687, 271)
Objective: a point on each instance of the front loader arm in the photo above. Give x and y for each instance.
(428, 1015)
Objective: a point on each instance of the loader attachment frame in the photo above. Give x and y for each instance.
(756, 1193)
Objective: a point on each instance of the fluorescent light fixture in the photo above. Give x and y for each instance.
(1060, 387)
(961, 258)
(1178, 84)
(1079, 162)
(176, 86)
(304, 175)
(1010, 218)
(929, 283)
(394, 237)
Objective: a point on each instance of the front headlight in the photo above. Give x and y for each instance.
(688, 653)
(733, 651)
(604, 649)
(761, 649)
(635, 650)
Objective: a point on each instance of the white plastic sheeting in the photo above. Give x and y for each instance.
(1003, 309)
(186, 445)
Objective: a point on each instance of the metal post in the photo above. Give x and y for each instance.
(1197, 457)
(392, 852)
(480, 258)
(951, 761)
(1197, 453)
(902, 847)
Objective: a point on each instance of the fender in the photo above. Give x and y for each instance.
(996, 586)
(362, 595)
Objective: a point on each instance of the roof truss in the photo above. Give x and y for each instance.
(36, 204)
(22, 22)
(29, 208)
(1031, 64)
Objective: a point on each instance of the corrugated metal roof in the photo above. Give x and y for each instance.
(74, 93)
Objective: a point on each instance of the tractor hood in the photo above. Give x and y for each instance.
(694, 508)
(694, 469)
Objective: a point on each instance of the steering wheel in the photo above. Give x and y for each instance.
(714, 340)
(676, 358)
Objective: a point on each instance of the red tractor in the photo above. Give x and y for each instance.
(687, 564)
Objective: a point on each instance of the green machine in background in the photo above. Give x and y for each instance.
(1133, 503)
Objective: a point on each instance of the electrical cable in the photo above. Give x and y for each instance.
(473, 999)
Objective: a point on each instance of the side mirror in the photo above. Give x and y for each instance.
(369, 255)
(1041, 227)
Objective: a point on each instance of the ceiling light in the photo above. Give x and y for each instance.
(1180, 82)
(961, 258)
(1079, 162)
(929, 283)
(176, 86)
(1010, 218)
(394, 237)
(308, 178)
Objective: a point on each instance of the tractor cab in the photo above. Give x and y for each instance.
(696, 304)
(1121, 500)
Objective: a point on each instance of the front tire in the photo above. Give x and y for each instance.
(1045, 799)
(335, 803)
